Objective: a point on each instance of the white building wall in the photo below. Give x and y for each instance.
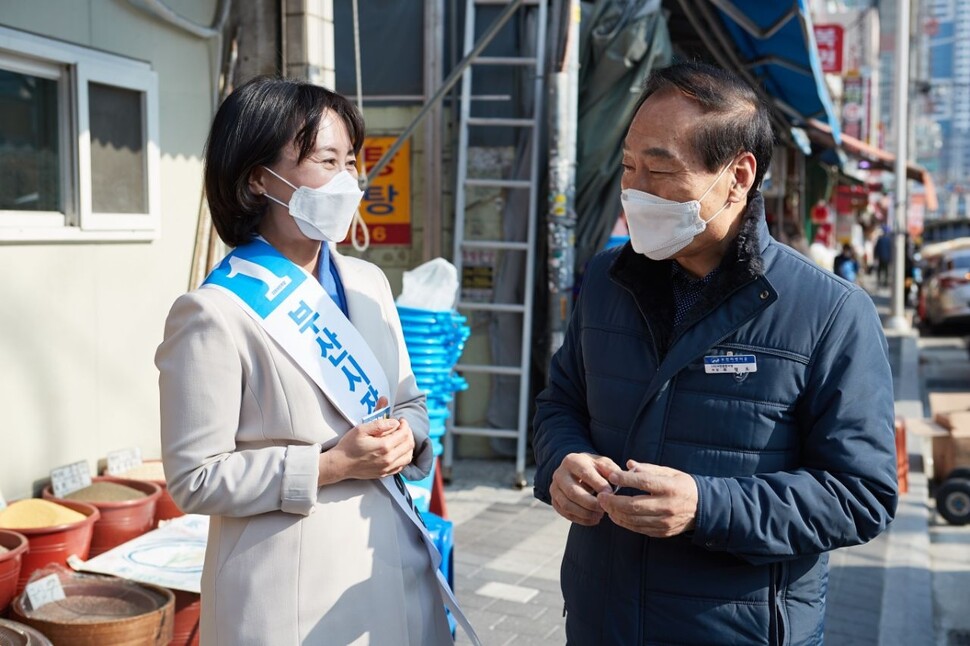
(80, 322)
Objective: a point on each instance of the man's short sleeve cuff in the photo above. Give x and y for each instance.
(301, 471)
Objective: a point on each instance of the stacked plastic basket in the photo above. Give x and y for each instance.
(434, 341)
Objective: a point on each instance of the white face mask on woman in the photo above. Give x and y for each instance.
(660, 228)
(324, 213)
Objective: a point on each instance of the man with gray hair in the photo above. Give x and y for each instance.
(720, 414)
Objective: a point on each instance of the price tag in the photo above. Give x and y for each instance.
(3, 502)
(70, 478)
(44, 591)
(123, 460)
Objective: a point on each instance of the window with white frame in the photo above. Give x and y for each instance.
(78, 142)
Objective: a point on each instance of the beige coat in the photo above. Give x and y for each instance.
(242, 429)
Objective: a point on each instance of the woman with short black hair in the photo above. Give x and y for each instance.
(289, 409)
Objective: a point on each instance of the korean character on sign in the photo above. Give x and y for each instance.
(304, 316)
(354, 379)
(336, 359)
(381, 201)
(825, 36)
(301, 312)
(370, 398)
(373, 154)
(326, 347)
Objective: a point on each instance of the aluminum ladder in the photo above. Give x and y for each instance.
(462, 243)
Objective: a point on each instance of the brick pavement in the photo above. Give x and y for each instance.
(508, 547)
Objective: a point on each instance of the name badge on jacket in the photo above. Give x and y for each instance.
(737, 364)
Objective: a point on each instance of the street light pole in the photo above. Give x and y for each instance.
(897, 319)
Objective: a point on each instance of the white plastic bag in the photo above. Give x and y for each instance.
(431, 286)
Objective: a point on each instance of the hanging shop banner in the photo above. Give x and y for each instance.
(829, 41)
(854, 107)
(386, 206)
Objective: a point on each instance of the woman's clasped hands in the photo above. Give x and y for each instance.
(371, 450)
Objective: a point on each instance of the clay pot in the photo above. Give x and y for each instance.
(187, 608)
(120, 520)
(18, 634)
(54, 544)
(147, 620)
(10, 564)
(166, 508)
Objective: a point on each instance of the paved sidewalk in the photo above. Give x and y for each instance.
(508, 547)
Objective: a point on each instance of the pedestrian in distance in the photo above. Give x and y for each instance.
(846, 265)
(883, 252)
(720, 414)
(267, 374)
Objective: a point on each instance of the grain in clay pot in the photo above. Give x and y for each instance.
(152, 471)
(53, 532)
(121, 520)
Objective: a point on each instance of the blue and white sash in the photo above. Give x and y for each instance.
(295, 310)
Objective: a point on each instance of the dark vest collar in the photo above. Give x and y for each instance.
(649, 280)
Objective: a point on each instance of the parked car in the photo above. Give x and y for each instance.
(946, 289)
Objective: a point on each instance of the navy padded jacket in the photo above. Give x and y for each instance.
(790, 461)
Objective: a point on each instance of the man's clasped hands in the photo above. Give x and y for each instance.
(587, 487)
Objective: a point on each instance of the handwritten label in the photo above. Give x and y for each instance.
(70, 478)
(123, 460)
(44, 591)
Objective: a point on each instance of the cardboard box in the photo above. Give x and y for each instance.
(949, 402)
(924, 426)
(954, 421)
(949, 452)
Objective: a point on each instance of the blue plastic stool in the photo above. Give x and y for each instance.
(442, 533)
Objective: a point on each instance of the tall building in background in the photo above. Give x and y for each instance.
(887, 79)
(948, 31)
(924, 135)
(924, 131)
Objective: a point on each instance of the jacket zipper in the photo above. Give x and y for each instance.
(641, 637)
(777, 619)
(646, 322)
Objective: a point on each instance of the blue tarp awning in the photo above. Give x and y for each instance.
(776, 41)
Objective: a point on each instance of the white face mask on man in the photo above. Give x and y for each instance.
(659, 228)
(324, 213)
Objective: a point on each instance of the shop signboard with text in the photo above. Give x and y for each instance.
(386, 207)
(855, 106)
(829, 41)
